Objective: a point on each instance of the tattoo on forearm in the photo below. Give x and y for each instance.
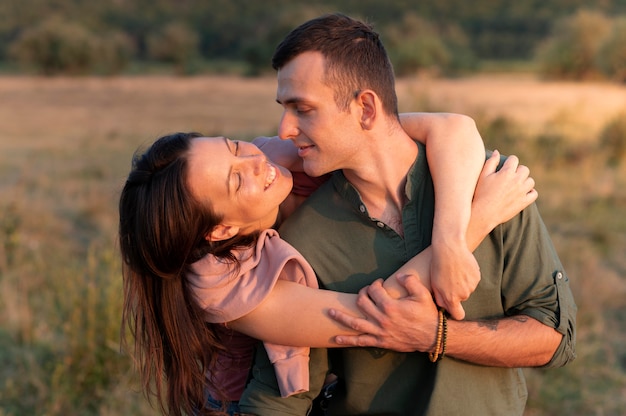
(492, 325)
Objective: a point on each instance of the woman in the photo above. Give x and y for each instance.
(194, 220)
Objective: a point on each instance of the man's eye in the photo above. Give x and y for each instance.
(237, 148)
(301, 110)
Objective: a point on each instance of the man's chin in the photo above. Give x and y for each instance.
(312, 170)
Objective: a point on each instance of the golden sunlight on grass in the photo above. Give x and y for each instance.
(65, 150)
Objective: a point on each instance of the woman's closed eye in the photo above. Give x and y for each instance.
(233, 146)
(238, 181)
(238, 174)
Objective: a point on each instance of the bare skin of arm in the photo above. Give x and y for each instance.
(491, 343)
(273, 320)
(456, 153)
(481, 224)
(410, 323)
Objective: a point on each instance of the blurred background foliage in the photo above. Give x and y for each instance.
(60, 171)
(572, 39)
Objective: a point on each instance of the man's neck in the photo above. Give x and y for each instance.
(381, 178)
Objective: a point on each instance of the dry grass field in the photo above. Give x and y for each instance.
(65, 148)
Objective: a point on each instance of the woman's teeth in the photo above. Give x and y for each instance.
(271, 175)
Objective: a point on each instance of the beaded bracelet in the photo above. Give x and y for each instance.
(444, 338)
(440, 340)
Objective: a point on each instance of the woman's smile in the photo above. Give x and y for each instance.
(237, 181)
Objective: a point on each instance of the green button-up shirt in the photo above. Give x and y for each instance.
(521, 274)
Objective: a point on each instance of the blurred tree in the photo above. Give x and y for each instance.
(247, 31)
(56, 46)
(570, 52)
(417, 45)
(612, 54)
(114, 51)
(613, 140)
(414, 45)
(267, 32)
(176, 43)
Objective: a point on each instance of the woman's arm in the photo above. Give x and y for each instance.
(456, 154)
(512, 182)
(297, 315)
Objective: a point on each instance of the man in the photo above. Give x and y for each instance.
(336, 85)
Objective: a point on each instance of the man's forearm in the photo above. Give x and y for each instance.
(518, 341)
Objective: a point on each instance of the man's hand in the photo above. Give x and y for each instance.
(406, 324)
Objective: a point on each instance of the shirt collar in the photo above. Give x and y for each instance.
(415, 178)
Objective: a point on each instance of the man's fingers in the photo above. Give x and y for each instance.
(370, 298)
(353, 322)
(377, 292)
(413, 286)
(358, 340)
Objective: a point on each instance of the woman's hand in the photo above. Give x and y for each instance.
(502, 194)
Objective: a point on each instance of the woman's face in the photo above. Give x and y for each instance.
(238, 181)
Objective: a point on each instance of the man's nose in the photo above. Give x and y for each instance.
(288, 128)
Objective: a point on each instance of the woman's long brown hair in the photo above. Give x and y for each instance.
(161, 232)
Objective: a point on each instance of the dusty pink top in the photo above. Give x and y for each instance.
(227, 297)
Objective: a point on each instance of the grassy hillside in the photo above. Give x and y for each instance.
(65, 149)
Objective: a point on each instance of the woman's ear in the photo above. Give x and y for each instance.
(222, 232)
(367, 102)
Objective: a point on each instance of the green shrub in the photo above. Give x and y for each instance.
(570, 52)
(612, 55)
(65, 359)
(176, 43)
(415, 45)
(115, 51)
(613, 140)
(549, 148)
(504, 135)
(55, 47)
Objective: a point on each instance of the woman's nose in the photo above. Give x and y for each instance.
(254, 161)
(258, 162)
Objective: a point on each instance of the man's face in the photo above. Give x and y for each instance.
(326, 137)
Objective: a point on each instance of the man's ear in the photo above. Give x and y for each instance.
(222, 232)
(367, 102)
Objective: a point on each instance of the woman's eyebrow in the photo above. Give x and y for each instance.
(226, 142)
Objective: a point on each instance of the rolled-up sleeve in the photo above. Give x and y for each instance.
(566, 351)
(535, 282)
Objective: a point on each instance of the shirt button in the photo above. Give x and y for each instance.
(559, 275)
(380, 224)
(362, 208)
